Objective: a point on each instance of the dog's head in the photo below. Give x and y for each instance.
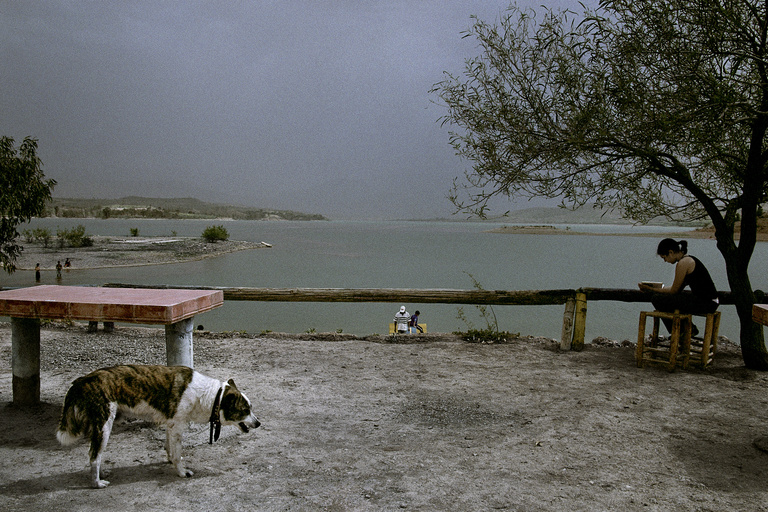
(236, 409)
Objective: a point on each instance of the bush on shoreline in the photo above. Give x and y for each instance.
(213, 234)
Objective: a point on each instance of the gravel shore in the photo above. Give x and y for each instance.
(129, 251)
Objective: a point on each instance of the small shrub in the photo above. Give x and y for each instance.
(134, 231)
(213, 234)
(486, 312)
(74, 237)
(40, 235)
(489, 336)
(491, 333)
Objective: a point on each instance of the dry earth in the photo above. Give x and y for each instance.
(432, 425)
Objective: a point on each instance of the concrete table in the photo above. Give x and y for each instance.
(26, 306)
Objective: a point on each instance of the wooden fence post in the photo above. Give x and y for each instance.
(579, 322)
(567, 334)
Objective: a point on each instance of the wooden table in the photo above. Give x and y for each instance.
(760, 313)
(26, 306)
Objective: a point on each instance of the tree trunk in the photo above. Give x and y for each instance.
(752, 344)
(753, 348)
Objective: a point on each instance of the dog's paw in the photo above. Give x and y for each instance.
(100, 484)
(185, 473)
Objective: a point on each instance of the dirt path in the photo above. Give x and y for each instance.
(430, 426)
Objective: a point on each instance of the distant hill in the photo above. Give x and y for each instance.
(165, 208)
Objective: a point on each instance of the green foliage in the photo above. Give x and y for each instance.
(491, 332)
(655, 108)
(38, 235)
(489, 336)
(487, 314)
(134, 231)
(646, 106)
(74, 237)
(214, 234)
(24, 192)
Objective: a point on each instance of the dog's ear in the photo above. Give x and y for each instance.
(232, 384)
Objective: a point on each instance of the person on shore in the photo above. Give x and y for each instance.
(401, 321)
(58, 269)
(689, 272)
(413, 324)
(37, 273)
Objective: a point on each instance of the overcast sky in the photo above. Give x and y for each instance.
(317, 106)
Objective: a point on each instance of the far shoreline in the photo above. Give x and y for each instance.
(112, 252)
(698, 234)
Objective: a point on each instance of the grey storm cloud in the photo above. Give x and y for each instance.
(317, 106)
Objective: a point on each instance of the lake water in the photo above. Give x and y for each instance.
(402, 254)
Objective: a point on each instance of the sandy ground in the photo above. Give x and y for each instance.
(432, 425)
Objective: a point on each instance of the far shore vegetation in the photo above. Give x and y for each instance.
(164, 208)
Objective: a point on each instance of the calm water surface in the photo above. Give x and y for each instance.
(348, 254)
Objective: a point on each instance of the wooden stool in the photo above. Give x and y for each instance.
(680, 349)
(702, 350)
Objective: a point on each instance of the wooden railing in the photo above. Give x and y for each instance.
(575, 300)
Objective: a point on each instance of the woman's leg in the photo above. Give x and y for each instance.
(686, 304)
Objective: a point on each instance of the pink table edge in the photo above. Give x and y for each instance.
(132, 305)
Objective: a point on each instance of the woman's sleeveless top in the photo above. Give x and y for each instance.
(700, 281)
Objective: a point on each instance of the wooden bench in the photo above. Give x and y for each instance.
(411, 330)
(174, 308)
(760, 313)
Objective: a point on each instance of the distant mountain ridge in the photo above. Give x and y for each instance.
(165, 208)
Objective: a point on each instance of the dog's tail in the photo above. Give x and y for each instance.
(74, 422)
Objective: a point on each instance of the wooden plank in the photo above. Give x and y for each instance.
(579, 322)
(423, 326)
(425, 296)
(566, 336)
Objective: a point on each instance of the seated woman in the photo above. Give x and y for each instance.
(689, 272)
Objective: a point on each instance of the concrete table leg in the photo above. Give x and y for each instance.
(178, 343)
(25, 360)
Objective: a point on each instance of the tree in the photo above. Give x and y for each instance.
(651, 107)
(213, 234)
(24, 192)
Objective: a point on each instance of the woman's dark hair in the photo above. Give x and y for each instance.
(669, 244)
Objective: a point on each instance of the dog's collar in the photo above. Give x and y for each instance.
(215, 420)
